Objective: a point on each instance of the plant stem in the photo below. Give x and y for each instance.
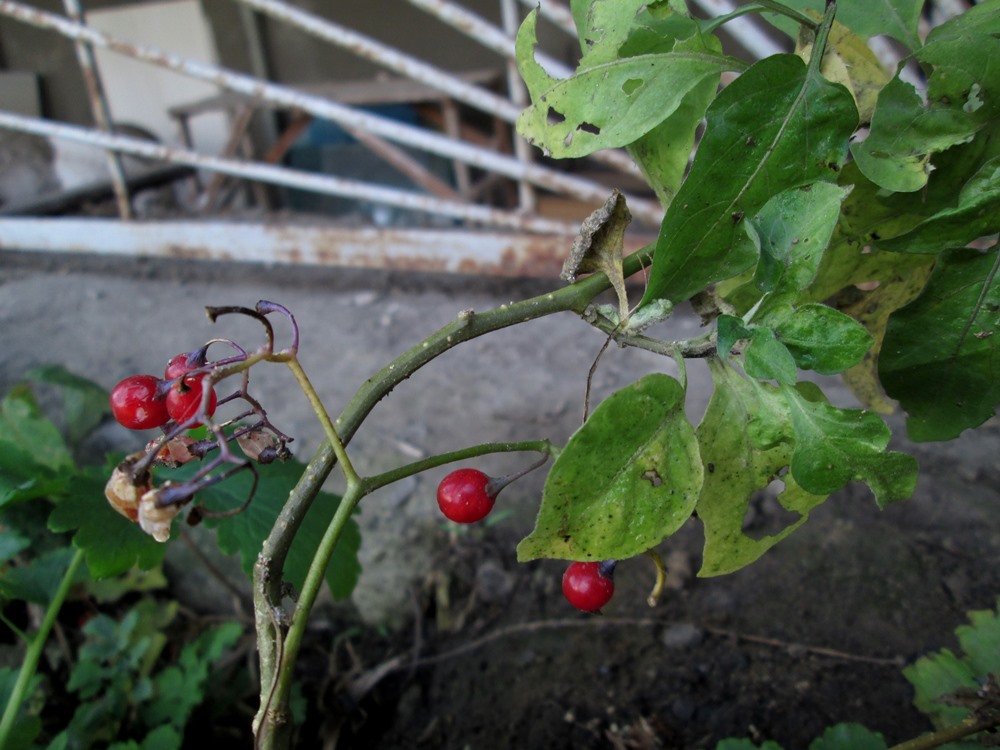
(371, 484)
(971, 725)
(35, 647)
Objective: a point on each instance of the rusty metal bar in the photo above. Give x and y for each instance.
(429, 75)
(274, 175)
(100, 110)
(259, 90)
(457, 250)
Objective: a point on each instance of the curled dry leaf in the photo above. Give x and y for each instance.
(155, 519)
(124, 491)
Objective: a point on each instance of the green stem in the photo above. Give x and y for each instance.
(822, 35)
(972, 725)
(350, 475)
(34, 651)
(381, 480)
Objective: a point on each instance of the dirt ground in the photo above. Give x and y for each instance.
(448, 642)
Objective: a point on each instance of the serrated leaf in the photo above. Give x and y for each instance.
(981, 641)
(819, 337)
(745, 744)
(610, 101)
(85, 403)
(34, 459)
(849, 737)
(245, 532)
(38, 580)
(776, 127)
(745, 441)
(111, 543)
(766, 358)
(936, 675)
(629, 477)
(835, 446)
(939, 355)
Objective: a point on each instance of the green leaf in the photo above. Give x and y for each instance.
(963, 96)
(849, 737)
(746, 441)
(745, 744)
(85, 403)
(819, 337)
(629, 477)
(38, 580)
(977, 214)
(793, 229)
(895, 18)
(11, 542)
(27, 726)
(245, 532)
(776, 127)
(939, 674)
(110, 542)
(34, 459)
(609, 102)
(836, 446)
(729, 330)
(179, 688)
(766, 358)
(939, 353)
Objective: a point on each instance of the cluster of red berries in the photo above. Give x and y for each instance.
(468, 496)
(145, 402)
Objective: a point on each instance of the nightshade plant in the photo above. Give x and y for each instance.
(835, 218)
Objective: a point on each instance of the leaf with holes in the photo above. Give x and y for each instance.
(776, 127)
(940, 353)
(629, 477)
(609, 101)
(963, 97)
(746, 441)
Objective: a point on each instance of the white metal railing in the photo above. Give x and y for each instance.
(377, 132)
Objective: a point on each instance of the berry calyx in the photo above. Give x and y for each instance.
(588, 586)
(182, 364)
(184, 400)
(466, 496)
(137, 403)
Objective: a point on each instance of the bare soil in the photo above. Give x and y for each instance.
(449, 642)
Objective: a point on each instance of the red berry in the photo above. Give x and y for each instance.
(178, 366)
(587, 587)
(135, 404)
(465, 496)
(184, 400)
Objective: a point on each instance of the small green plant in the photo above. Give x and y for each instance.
(834, 219)
(960, 694)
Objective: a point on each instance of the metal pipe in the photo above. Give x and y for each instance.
(100, 110)
(519, 95)
(486, 33)
(286, 96)
(437, 250)
(274, 175)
